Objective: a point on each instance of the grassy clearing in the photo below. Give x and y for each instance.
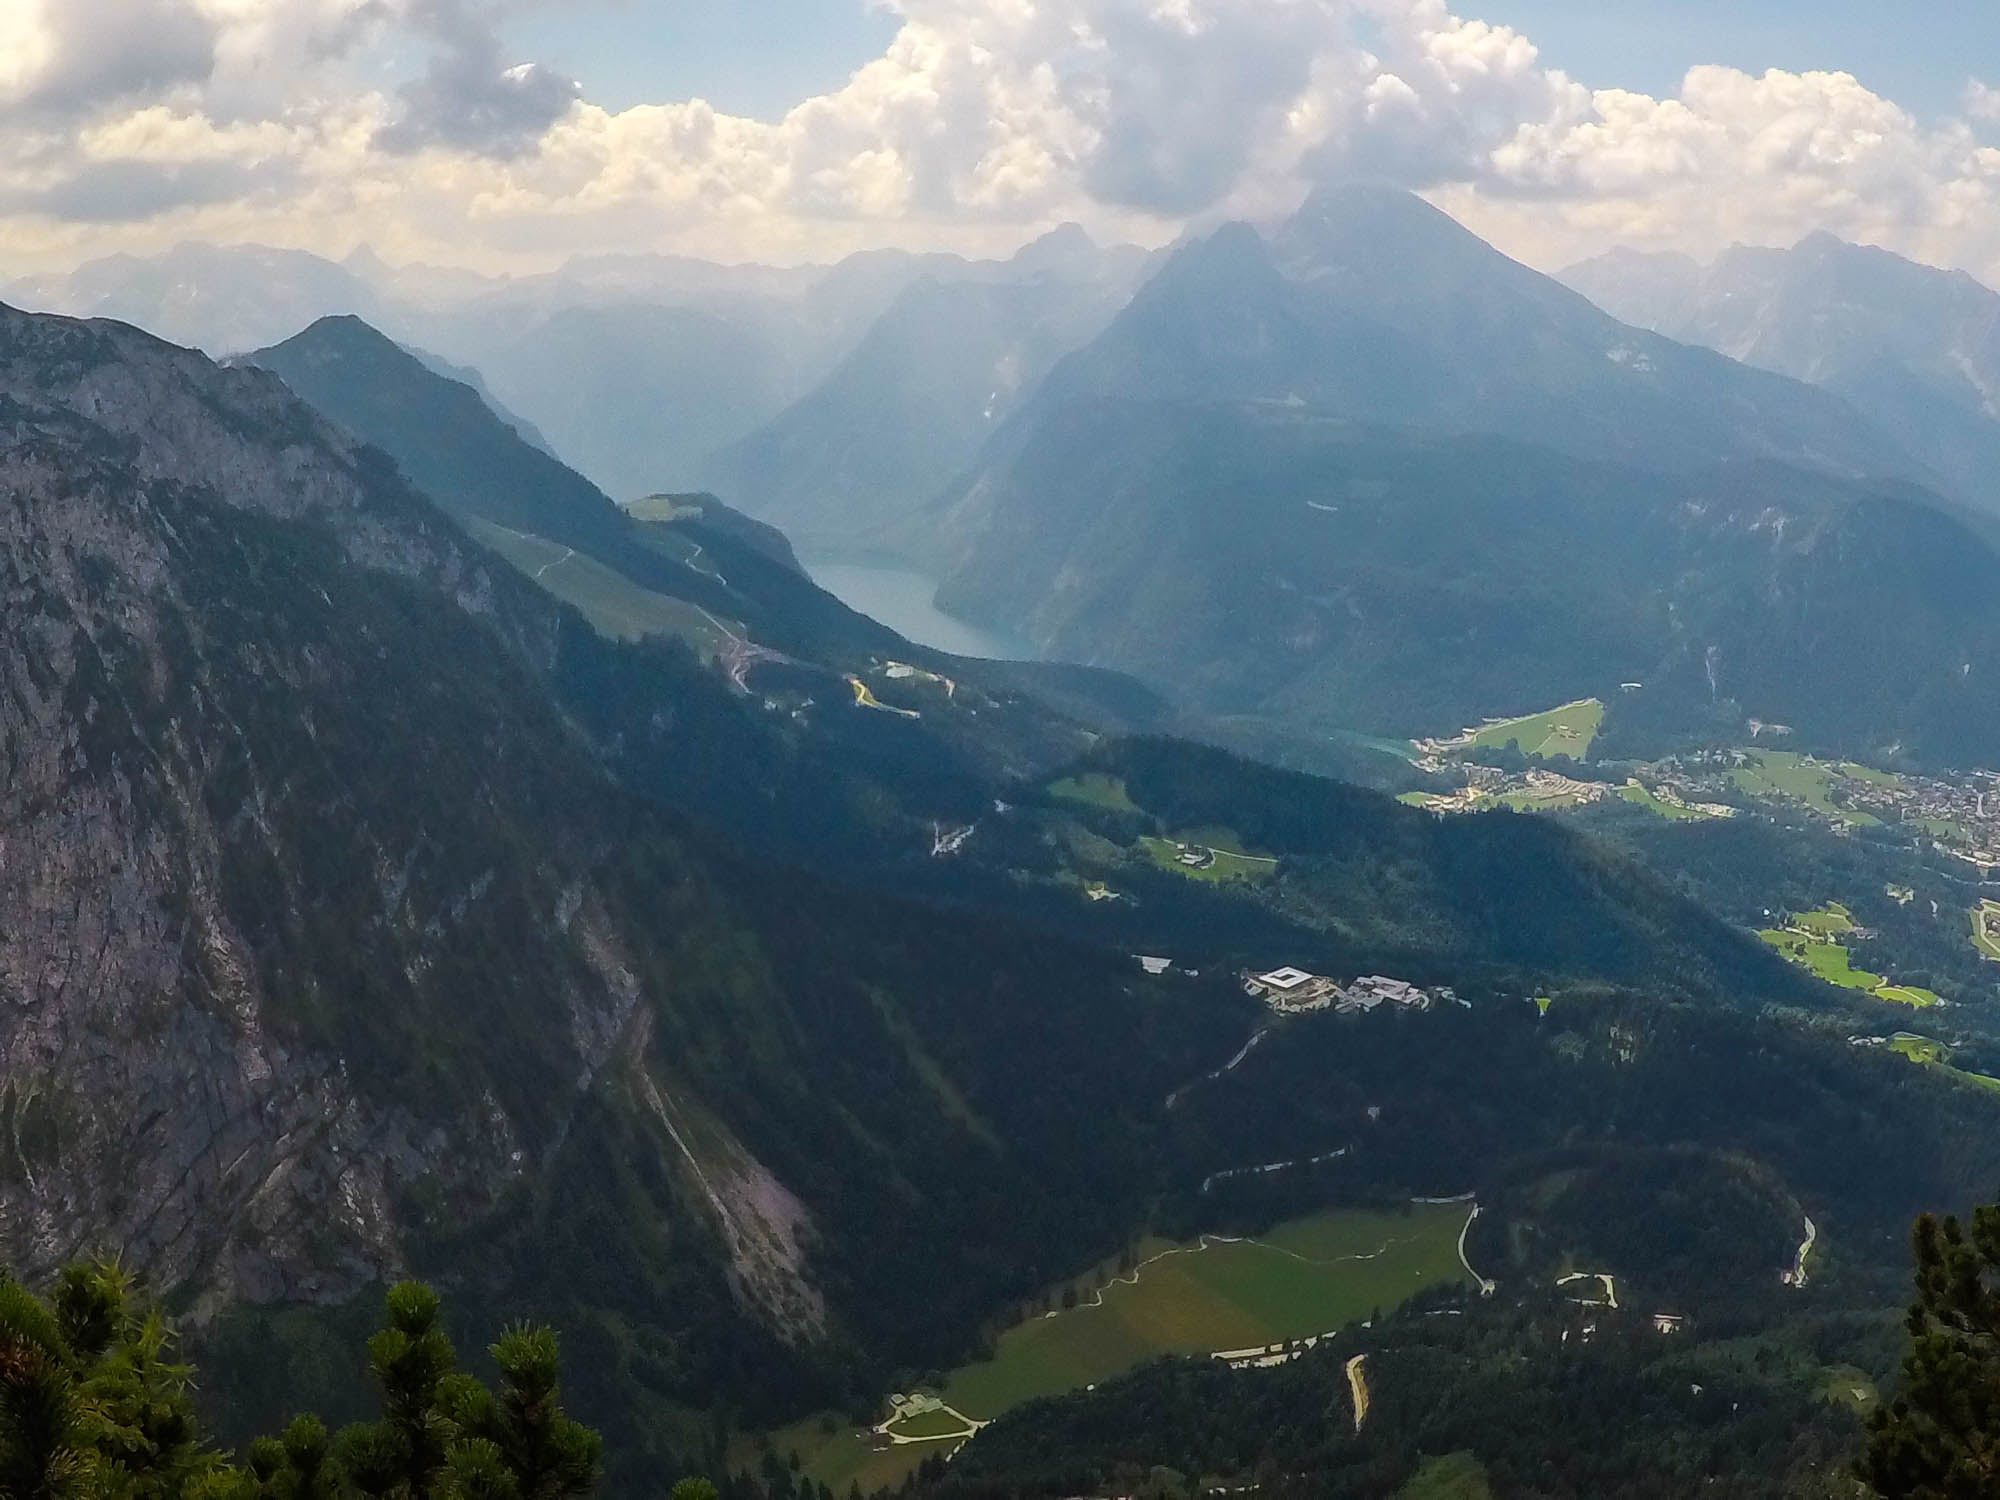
(1857, 772)
(1639, 796)
(1831, 921)
(1909, 994)
(663, 508)
(1931, 1053)
(615, 606)
(1568, 730)
(1786, 773)
(1919, 1049)
(1829, 961)
(1302, 1279)
(1224, 858)
(1811, 942)
(1095, 790)
(1850, 1387)
(1456, 1476)
(1986, 929)
(930, 1424)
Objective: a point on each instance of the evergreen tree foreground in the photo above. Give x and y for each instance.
(1939, 1438)
(94, 1406)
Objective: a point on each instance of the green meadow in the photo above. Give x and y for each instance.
(1304, 1278)
(1634, 793)
(1811, 941)
(1231, 861)
(614, 605)
(1786, 773)
(1095, 790)
(1568, 730)
(1986, 928)
(1931, 1053)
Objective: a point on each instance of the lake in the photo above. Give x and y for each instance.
(902, 600)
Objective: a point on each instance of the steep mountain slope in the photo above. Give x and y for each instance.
(637, 395)
(639, 368)
(688, 567)
(457, 451)
(448, 441)
(1915, 348)
(466, 375)
(332, 946)
(1371, 305)
(1264, 561)
(1289, 480)
(908, 409)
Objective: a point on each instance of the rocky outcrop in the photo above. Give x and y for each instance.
(214, 842)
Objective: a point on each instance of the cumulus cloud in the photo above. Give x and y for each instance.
(124, 192)
(982, 122)
(470, 98)
(66, 57)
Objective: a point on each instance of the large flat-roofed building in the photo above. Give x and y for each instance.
(1284, 979)
(1291, 989)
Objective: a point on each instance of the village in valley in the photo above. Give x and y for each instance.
(1291, 991)
(1542, 763)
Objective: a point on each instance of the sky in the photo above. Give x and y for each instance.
(760, 57)
(510, 134)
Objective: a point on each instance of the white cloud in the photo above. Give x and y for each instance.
(983, 121)
(65, 57)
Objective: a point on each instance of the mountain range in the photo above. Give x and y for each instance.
(638, 370)
(910, 407)
(417, 863)
(1369, 473)
(1915, 348)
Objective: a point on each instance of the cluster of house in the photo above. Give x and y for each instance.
(1292, 990)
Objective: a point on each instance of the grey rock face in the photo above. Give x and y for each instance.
(186, 792)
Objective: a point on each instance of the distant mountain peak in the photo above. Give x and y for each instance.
(362, 261)
(1066, 242)
(345, 325)
(1823, 244)
(1343, 214)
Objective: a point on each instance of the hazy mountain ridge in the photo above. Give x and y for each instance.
(1369, 304)
(1914, 348)
(730, 583)
(1371, 473)
(939, 371)
(1260, 561)
(635, 369)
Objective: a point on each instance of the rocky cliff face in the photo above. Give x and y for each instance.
(345, 928)
(159, 745)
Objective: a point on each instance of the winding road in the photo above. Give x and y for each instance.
(1229, 1067)
(1486, 1288)
(1798, 1271)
